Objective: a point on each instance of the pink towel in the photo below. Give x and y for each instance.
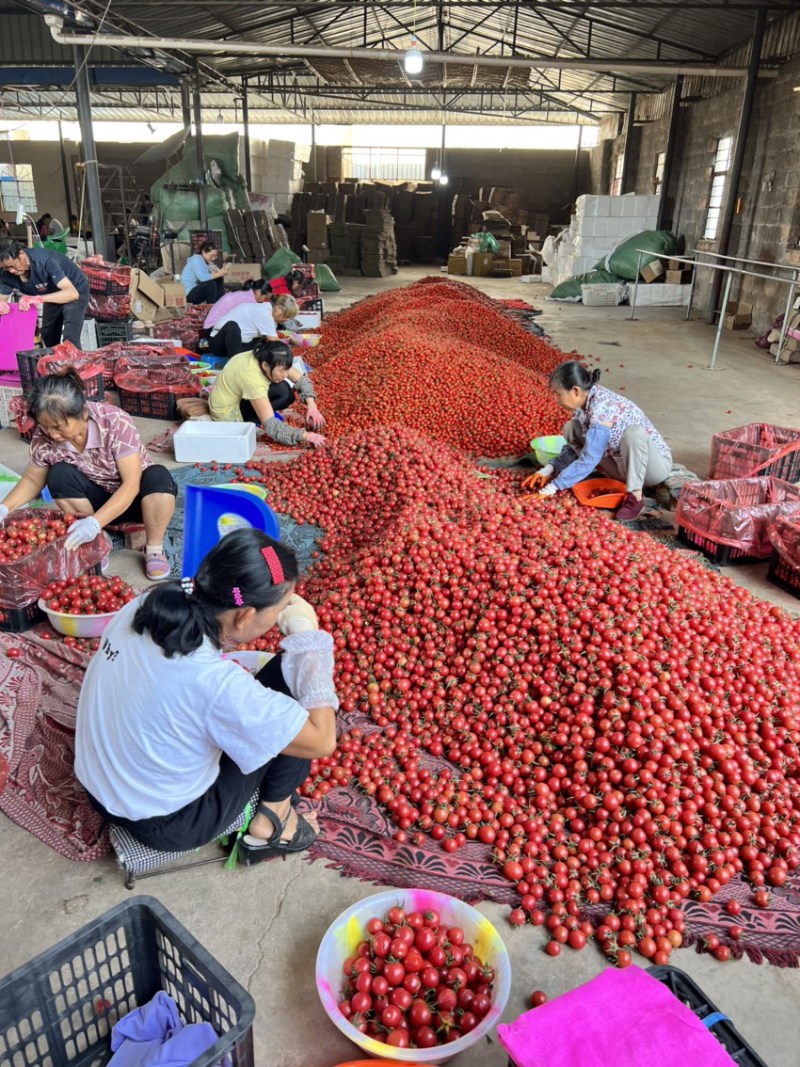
(618, 1019)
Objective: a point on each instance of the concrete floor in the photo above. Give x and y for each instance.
(264, 923)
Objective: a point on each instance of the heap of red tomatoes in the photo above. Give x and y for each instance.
(617, 723)
(90, 594)
(415, 982)
(19, 536)
(443, 360)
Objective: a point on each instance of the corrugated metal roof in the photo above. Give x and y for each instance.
(361, 90)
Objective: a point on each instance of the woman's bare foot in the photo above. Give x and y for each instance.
(261, 825)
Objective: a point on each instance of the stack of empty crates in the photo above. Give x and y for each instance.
(599, 224)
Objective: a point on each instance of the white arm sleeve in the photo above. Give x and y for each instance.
(307, 665)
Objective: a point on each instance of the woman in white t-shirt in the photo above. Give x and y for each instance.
(173, 740)
(240, 328)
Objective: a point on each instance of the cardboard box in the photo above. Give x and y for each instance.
(515, 266)
(317, 229)
(456, 264)
(239, 273)
(482, 263)
(652, 271)
(503, 248)
(317, 255)
(675, 264)
(678, 277)
(147, 298)
(738, 316)
(174, 293)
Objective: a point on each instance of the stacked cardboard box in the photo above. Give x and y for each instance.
(337, 236)
(252, 235)
(277, 169)
(599, 224)
(352, 263)
(378, 247)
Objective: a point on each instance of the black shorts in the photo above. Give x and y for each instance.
(66, 482)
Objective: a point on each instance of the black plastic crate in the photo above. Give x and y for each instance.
(16, 621)
(59, 1008)
(108, 333)
(689, 993)
(723, 555)
(28, 373)
(783, 575)
(149, 405)
(310, 305)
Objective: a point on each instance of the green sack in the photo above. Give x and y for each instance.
(570, 290)
(280, 263)
(488, 242)
(326, 279)
(624, 260)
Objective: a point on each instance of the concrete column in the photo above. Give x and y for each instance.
(199, 153)
(729, 210)
(248, 167)
(669, 153)
(92, 175)
(627, 152)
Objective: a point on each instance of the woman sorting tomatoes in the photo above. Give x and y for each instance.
(92, 460)
(608, 432)
(254, 386)
(245, 323)
(173, 740)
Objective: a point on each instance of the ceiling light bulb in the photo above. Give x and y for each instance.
(436, 173)
(220, 117)
(413, 59)
(443, 180)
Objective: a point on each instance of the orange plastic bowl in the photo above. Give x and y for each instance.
(614, 493)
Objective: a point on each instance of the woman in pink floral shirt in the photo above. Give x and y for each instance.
(606, 432)
(91, 458)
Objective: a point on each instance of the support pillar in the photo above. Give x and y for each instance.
(248, 166)
(92, 174)
(64, 172)
(737, 165)
(669, 153)
(199, 152)
(627, 153)
(186, 104)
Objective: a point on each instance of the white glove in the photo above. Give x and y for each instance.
(549, 490)
(297, 617)
(82, 532)
(547, 470)
(307, 666)
(3, 513)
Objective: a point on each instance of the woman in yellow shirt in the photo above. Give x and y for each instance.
(253, 386)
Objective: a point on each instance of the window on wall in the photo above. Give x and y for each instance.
(16, 187)
(658, 173)
(389, 164)
(616, 182)
(719, 175)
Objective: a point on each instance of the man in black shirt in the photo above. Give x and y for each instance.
(47, 278)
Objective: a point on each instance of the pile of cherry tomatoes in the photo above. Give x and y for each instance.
(21, 536)
(91, 594)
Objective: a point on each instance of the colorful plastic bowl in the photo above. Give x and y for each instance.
(198, 367)
(77, 625)
(344, 934)
(547, 448)
(613, 495)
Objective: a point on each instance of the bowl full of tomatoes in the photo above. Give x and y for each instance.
(412, 975)
(84, 606)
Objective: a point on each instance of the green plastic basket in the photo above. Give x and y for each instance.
(547, 448)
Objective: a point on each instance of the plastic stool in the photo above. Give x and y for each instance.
(211, 512)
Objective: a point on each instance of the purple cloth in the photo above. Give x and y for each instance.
(621, 1018)
(154, 1036)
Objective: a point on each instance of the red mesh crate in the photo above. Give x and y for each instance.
(756, 450)
(734, 515)
(784, 567)
(155, 393)
(109, 279)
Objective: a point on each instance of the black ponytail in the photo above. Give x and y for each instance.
(178, 621)
(567, 375)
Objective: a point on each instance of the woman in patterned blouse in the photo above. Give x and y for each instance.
(91, 458)
(606, 432)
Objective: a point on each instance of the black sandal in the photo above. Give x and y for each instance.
(254, 850)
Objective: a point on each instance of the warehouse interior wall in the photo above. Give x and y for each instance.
(767, 220)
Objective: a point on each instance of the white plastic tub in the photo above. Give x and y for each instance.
(225, 442)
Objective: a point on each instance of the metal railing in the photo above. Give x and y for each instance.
(792, 280)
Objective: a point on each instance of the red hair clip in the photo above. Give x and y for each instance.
(274, 564)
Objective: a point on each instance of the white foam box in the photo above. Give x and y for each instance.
(662, 295)
(225, 442)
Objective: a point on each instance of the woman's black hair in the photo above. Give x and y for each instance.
(274, 353)
(233, 574)
(10, 248)
(207, 246)
(257, 285)
(567, 375)
(294, 276)
(61, 396)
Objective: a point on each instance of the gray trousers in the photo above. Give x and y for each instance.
(641, 464)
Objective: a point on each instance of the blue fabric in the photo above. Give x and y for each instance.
(195, 272)
(593, 451)
(47, 269)
(154, 1036)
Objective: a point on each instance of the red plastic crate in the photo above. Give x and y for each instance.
(756, 450)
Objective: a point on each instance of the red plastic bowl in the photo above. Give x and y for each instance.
(613, 495)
